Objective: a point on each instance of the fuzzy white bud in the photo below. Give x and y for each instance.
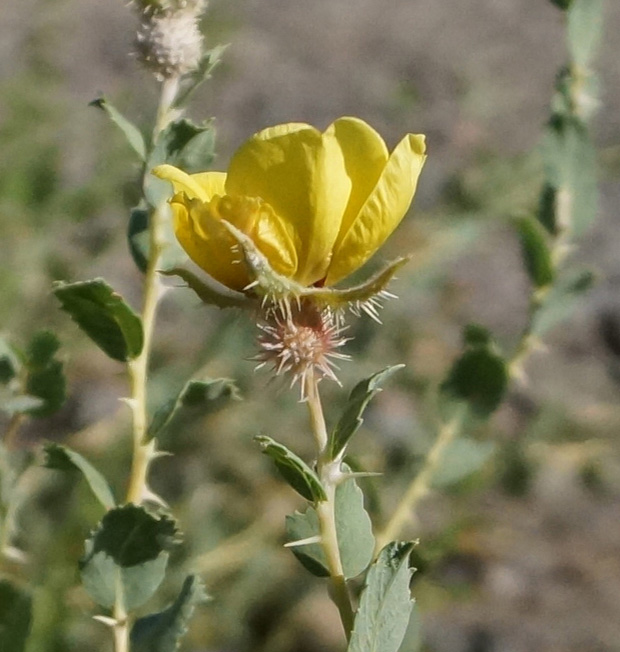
(169, 41)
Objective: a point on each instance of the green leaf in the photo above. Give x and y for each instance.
(162, 632)
(293, 469)
(132, 133)
(301, 526)
(356, 541)
(535, 251)
(560, 300)
(570, 168)
(562, 4)
(45, 379)
(186, 145)
(208, 293)
(546, 208)
(585, 22)
(412, 641)
(385, 605)
(15, 617)
(127, 556)
(207, 395)
(479, 377)
(104, 316)
(42, 348)
(476, 335)
(192, 81)
(461, 458)
(138, 237)
(63, 458)
(10, 363)
(351, 419)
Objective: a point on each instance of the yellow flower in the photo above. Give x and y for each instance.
(316, 205)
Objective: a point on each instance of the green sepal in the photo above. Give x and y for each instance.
(479, 377)
(207, 395)
(535, 251)
(356, 541)
(126, 557)
(15, 617)
(275, 288)
(352, 419)
(63, 458)
(104, 316)
(132, 133)
(210, 294)
(385, 606)
(162, 632)
(293, 469)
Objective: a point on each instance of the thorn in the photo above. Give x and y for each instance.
(304, 542)
(360, 474)
(106, 620)
(15, 555)
(152, 497)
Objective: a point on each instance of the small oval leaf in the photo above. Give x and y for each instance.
(104, 316)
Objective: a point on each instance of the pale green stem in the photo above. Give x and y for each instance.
(121, 629)
(138, 367)
(420, 486)
(326, 510)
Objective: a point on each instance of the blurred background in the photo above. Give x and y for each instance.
(522, 555)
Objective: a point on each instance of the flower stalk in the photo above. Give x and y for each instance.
(329, 471)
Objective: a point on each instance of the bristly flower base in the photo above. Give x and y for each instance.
(302, 342)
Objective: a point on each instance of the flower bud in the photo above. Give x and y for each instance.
(169, 41)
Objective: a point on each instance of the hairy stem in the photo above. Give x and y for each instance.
(326, 510)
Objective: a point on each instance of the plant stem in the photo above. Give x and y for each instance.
(12, 429)
(138, 368)
(121, 629)
(421, 484)
(143, 449)
(329, 470)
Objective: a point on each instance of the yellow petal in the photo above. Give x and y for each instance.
(365, 157)
(207, 242)
(300, 173)
(199, 229)
(258, 220)
(383, 210)
(201, 186)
